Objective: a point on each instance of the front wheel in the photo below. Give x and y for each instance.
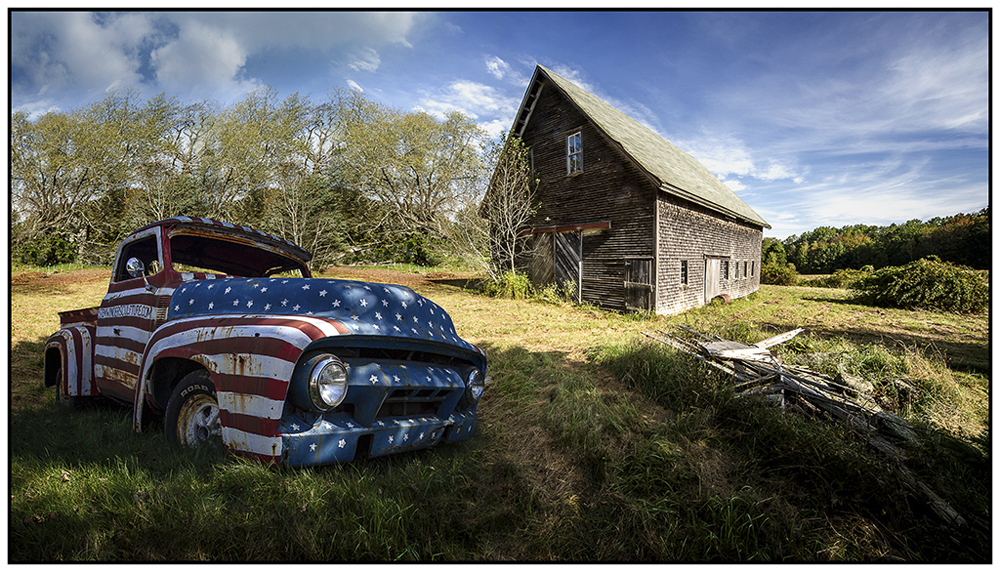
(192, 416)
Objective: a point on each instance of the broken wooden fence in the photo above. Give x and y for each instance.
(759, 372)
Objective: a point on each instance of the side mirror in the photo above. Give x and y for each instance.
(135, 268)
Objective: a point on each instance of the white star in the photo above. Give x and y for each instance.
(376, 326)
(249, 303)
(364, 303)
(295, 426)
(306, 287)
(211, 305)
(336, 303)
(236, 302)
(284, 281)
(322, 293)
(267, 307)
(406, 436)
(396, 378)
(414, 330)
(309, 313)
(373, 379)
(264, 289)
(385, 303)
(296, 307)
(227, 290)
(191, 301)
(386, 290)
(256, 285)
(210, 286)
(404, 305)
(397, 328)
(177, 307)
(428, 379)
(416, 320)
(398, 317)
(367, 288)
(390, 439)
(284, 302)
(355, 318)
(377, 315)
(342, 443)
(421, 436)
(312, 447)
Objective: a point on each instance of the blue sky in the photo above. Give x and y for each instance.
(813, 118)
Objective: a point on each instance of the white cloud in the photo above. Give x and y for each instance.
(53, 51)
(204, 60)
(365, 59)
(354, 85)
(471, 98)
(497, 67)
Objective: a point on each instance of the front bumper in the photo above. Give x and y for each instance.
(336, 438)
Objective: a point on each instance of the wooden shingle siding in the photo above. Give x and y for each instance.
(610, 188)
(691, 233)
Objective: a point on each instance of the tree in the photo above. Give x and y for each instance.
(423, 170)
(491, 234)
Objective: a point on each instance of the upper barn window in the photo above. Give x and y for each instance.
(574, 154)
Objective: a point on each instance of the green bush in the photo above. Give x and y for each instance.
(511, 284)
(46, 250)
(926, 283)
(779, 274)
(842, 278)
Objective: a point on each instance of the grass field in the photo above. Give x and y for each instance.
(593, 445)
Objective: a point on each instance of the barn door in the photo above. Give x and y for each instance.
(638, 284)
(567, 252)
(713, 285)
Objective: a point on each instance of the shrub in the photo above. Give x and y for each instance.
(779, 274)
(46, 250)
(842, 278)
(926, 283)
(510, 284)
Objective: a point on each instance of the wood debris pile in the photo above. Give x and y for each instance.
(759, 372)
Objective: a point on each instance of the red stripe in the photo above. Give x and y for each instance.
(249, 423)
(275, 389)
(116, 364)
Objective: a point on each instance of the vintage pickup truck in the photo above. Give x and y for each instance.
(222, 330)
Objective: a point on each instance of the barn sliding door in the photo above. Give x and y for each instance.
(567, 253)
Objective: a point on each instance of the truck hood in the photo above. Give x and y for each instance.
(363, 308)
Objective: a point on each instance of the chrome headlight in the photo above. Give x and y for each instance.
(475, 383)
(328, 383)
(320, 383)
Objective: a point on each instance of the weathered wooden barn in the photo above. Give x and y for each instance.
(633, 221)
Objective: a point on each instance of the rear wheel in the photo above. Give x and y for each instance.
(192, 416)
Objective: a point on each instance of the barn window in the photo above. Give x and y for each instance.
(725, 270)
(753, 265)
(574, 154)
(746, 268)
(684, 271)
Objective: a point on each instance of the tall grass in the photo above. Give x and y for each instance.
(592, 446)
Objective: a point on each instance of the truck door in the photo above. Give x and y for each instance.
(129, 312)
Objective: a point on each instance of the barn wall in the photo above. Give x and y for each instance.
(610, 188)
(692, 233)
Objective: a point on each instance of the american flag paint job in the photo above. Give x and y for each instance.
(76, 365)
(364, 308)
(407, 366)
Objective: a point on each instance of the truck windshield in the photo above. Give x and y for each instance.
(231, 256)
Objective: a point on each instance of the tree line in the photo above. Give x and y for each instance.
(345, 177)
(962, 239)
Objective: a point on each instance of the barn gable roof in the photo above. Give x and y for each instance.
(677, 172)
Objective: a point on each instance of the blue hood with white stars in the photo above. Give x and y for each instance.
(362, 307)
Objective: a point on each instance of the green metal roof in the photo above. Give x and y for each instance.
(677, 172)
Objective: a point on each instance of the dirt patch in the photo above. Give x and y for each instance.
(44, 280)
